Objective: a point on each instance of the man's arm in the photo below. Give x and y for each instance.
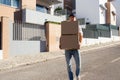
(80, 34)
(80, 38)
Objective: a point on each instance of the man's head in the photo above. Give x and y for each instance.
(72, 17)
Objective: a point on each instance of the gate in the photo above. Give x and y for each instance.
(28, 32)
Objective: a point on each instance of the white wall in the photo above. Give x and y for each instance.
(92, 41)
(88, 9)
(22, 47)
(1, 54)
(52, 10)
(102, 12)
(35, 17)
(91, 9)
(113, 18)
(116, 3)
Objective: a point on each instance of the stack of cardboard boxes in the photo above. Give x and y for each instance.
(69, 35)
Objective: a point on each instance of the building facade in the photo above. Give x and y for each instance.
(93, 12)
(15, 38)
(96, 11)
(117, 6)
(110, 14)
(21, 9)
(27, 37)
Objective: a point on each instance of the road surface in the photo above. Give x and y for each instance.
(99, 64)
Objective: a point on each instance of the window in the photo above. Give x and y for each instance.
(41, 8)
(13, 3)
(7, 2)
(114, 15)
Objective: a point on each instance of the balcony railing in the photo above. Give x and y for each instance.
(31, 16)
(60, 12)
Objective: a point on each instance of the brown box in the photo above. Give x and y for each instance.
(69, 42)
(69, 27)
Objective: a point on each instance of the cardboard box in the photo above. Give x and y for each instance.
(69, 27)
(69, 42)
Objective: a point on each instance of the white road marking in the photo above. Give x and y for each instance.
(115, 60)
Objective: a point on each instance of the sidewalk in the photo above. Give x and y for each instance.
(44, 56)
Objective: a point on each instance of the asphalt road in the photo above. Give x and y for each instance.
(99, 64)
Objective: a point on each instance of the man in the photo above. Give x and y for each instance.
(75, 53)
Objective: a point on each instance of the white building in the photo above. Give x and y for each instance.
(116, 3)
(95, 11)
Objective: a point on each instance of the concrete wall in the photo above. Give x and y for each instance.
(91, 41)
(1, 54)
(7, 11)
(23, 47)
(14, 48)
(5, 36)
(29, 4)
(53, 33)
(88, 9)
(30, 16)
(115, 38)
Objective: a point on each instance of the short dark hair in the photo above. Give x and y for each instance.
(72, 15)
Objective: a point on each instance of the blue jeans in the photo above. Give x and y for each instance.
(77, 57)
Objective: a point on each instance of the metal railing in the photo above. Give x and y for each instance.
(60, 12)
(99, 30)
(28, 32)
